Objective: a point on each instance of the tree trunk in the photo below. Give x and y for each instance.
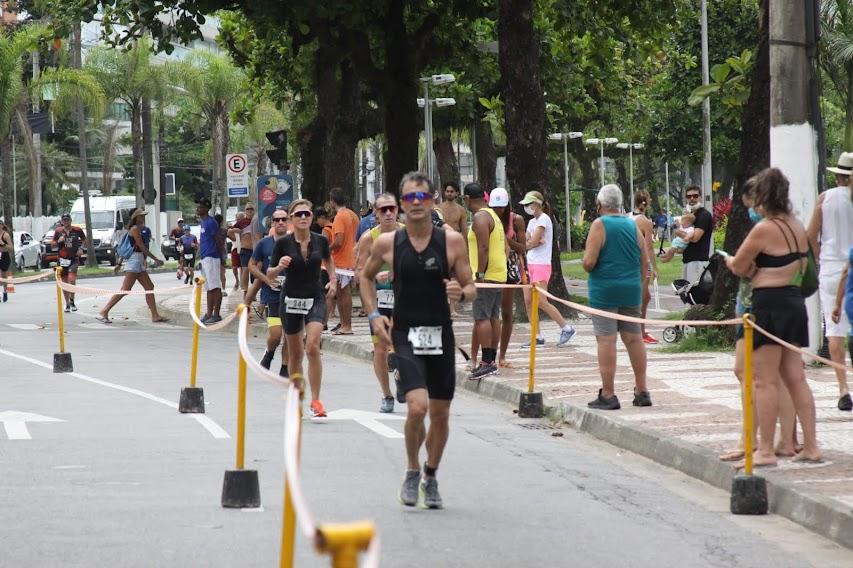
(401, 93)
(341, 114)
(147, 153)
(91, 257)
(6, 198)
(487, 155)
(136, 148)
(312, 145)
(754, 157)
(219, 138)
(524, 112)
(33, 161)
(445, 157)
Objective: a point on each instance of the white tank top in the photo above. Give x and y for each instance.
(836, 234)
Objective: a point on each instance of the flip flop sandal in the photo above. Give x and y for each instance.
(102, 319)
(339, 332)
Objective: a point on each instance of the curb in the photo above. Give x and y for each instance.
(826, 517)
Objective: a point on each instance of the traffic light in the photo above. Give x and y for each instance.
(278, 139)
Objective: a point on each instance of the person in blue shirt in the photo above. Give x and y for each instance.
(844, 298)
(367, 222)
(212, 243)
(271, 290)
(189, 248)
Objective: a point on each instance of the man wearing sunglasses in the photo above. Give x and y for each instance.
(271, 289)
(422, 258)
(695, 256)
(385, 209)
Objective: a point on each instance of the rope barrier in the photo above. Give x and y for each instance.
(243, 344)
(799, 350)
(104, 292)
(213, 327)
(291, 463)
(26, 279)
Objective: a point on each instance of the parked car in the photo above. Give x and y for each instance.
(27, 250)
(169, 248)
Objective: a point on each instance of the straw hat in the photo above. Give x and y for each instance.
(845, 164)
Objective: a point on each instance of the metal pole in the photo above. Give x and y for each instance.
(35, 206)
(568, 194)
(14, 182)
(668, 222)
(631, 169)
(706, 111)
(747, 394)
(534, 331)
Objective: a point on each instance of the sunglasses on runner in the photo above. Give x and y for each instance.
(693, 196)
(388, 209)
(279, 219)
(301, 214)
(419, 195)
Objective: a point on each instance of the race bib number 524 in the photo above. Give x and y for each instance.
(426, 340)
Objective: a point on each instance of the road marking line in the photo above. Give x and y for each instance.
(215, 430)
(69, 467)
(253, 509)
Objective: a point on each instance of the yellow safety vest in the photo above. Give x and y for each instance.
(496, 267)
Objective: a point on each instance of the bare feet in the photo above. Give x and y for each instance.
(731, 455)
(787, 451)
(159, 319)
(758, 460)
(505, 364)
(811, 456)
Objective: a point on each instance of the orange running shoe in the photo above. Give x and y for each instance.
(648, 338)
(317, 409)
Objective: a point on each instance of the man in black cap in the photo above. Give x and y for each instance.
(210, 251)
(69, 240)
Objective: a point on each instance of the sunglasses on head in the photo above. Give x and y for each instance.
(419, 195)
(301, 214)
(387, 209)
(279, 219)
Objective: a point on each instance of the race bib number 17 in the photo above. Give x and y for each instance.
(385, 299)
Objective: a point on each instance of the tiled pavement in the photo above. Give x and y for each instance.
(696, 403)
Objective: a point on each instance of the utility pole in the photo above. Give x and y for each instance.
(707, 171)
(91, 257)
(36, 181)
(793, 138)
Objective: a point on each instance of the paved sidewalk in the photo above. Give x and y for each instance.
(696, 412)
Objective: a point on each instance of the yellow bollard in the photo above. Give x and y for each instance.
(534, 328)
(344, 542)
(288, 526)
(194, 360)
(60, 318)
(240, 487)
(747, 393)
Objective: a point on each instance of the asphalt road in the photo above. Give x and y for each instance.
(125, 480)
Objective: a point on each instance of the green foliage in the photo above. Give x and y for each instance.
(702, 339)
(579, 234)
(730, 82)
(720, 232)
(68, 86)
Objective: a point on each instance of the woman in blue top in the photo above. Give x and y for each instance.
(615, 257)
(135, 269)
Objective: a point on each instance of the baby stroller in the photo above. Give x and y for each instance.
(692, 294)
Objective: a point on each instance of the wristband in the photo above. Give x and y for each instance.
(373, 315)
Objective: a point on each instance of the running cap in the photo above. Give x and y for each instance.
(498, 197)
(532, 197)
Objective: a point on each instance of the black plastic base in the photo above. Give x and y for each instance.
(530, 405)
(62, 363)
(240, 489)
(192, 400)
(749, 495)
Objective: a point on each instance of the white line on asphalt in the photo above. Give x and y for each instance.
(831, 480)
(69, 467)
(253, 510)
(215, 430)
(643, 416)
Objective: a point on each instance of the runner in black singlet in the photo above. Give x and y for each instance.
(422, 257)
(299, 256)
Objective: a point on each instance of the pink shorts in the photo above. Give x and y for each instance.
(539, 272)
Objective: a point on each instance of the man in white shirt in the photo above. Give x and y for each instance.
(831, 227)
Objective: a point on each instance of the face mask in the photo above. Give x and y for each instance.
(693, 207)
(754, 215)
(528, 209)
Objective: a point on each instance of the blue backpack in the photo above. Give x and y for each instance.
(125, 247)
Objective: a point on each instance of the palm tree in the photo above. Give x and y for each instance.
(213, 85)
(837, 56)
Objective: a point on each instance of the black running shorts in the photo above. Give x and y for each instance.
(293, 323)
(435, 373)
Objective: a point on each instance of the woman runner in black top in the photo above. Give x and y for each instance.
(423, 257)
(299, 257)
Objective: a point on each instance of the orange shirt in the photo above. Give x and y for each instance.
(345, 223)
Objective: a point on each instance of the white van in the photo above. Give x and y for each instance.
(109, 219)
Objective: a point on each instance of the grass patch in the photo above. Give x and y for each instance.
(702, 339)
(677, 315)
(574, 255)
(667, 271)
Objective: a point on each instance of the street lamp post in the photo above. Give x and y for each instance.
(427, 103)
(565, 136)
(630, 147)
(601, 142)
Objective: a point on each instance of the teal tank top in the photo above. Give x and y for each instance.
(615, 280)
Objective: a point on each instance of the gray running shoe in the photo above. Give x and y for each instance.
(540, 341)
(484, 370)
(387, 404)
(566, 335)
(429, 494)
(409, 491)
(214, 319)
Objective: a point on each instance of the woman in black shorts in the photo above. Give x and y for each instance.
(6, 248)
(299, 256)
(773, 255)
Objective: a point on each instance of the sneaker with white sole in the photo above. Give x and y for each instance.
(484, 370)
(387, 404)
(409, 491)
(566, 334)
(540, 341)
(430, 497)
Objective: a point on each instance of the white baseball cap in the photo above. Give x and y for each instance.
(498, 197)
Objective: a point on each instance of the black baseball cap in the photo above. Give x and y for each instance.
(204, 201)
(66, 216)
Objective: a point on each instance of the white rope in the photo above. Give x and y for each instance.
(25, 279)
(243, 343)
(104, 292)
(292, 420)
(213, 327)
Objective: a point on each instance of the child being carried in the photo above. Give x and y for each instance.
(678, 243)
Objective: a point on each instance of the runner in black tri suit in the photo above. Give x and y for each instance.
(299, 256)
(422, 257)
